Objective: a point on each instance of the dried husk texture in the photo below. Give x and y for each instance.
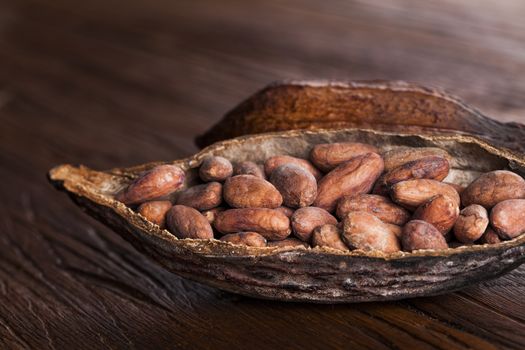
(296, 273)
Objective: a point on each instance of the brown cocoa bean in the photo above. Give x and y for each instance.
(211, 214)
(471, 223)
(419, 234)
(155, 211)
(271, 224)
(458, 188)
(357, 176)
(201, 197)
(155, 183)
(297, 185)
(288, 242)
(186, 222)
(366, 232)
(249, 168)
(305, 220)
(248, 191)
(413, 193)
(327, 156)
(286, 211)
(251, 239)
(328, 236)
(273, 162)
(379, 206)
(507, 218)
(401, 155)
(440, 211)
(380, 188)
(493, 187)
(215, 169)
(489, 237)
(434, 168)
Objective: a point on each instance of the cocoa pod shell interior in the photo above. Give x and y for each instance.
(319, 274)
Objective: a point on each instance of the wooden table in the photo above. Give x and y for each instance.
(117, 83)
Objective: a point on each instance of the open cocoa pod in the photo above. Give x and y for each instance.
(380, 105)
(297, 273)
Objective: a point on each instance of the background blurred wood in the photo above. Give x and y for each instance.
(116, 83)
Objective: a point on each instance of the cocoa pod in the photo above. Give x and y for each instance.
(419, 234)
(271, 224)
(201, 197)
(402, 155)
(507, 218)
(305, 220)
(327, 156)
(186, 222)
(155, 183)
(248, 191)
(249, 168)
(357, 176)
(471, 223)
(252, 239)
(493, 187)
(215, 169)
(440, 211)
(328, 236)
(288, 242)
(297, 185)
(155, 211)
(434, 168)
(413, 193)
(366, 232)
(273, 162)
(379, 206)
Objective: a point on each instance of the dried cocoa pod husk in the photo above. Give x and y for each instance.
(294, 273)
(394, 106)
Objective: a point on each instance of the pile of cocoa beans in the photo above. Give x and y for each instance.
(345, 196)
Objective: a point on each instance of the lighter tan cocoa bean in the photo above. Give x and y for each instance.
(507, 218)
(158, 182)
(273, 162)
(211, 214)
(271, 224)
(215, 169)
(201, 197)
(305, 220)
(366, 232)
(155, 211)
(471, 223)
(248, 191)
(327, 156)
(251, 239)
(493, 187)
(297, 185)
(434, 168)
(249, 168)
(357, 176)
(490, 237)
(413, 193)
(380, 206)
(401, 155)
(440, 211)
(328, 236)
(419, 234)
(186, 222)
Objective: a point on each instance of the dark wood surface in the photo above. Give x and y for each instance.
(118, 83)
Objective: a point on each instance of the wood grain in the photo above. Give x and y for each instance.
(119, 83)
